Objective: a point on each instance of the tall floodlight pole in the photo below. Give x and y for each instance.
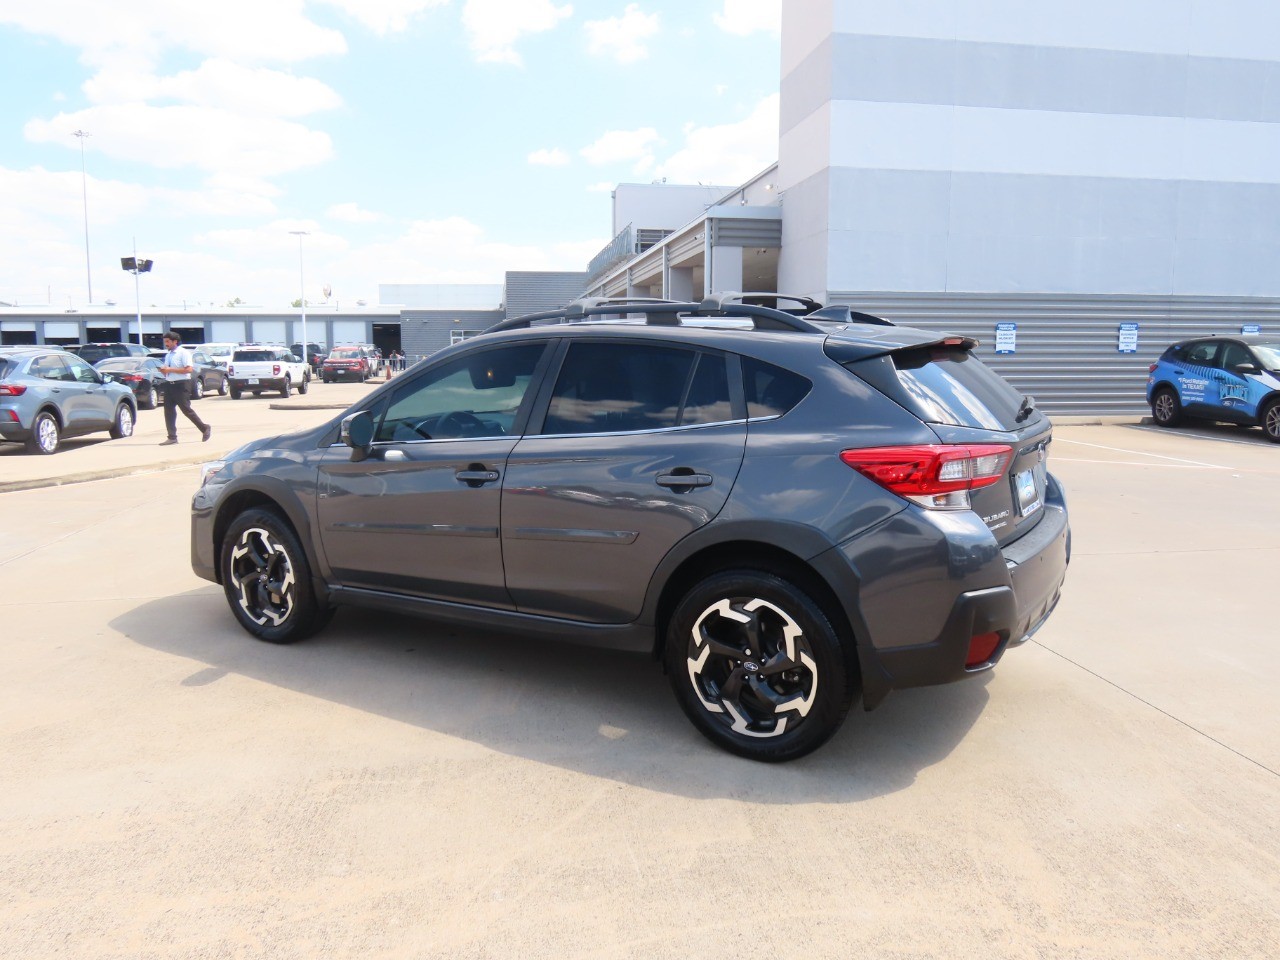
(135, 266)
(84, 189)
(302, 295)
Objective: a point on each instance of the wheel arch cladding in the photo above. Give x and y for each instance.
(290, 512)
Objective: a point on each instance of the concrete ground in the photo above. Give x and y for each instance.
(172, 788)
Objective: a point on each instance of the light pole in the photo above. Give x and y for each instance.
(135, 266)
(302, 296)
(84, 189)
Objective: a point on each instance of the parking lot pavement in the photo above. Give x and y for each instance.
(393, 789)
(234, 422)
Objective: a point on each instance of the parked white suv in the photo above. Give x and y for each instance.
(258, 368)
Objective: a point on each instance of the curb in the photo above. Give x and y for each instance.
(13, 486)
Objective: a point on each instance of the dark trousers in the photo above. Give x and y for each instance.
(177, 396)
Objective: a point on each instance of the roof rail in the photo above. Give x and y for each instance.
(658, 312)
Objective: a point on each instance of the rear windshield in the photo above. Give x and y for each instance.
(945, 385)
(123, 363)
(251, 356)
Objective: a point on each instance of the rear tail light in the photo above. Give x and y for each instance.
(12, 389)
(1152, 368)
(275, 370)
(231, 369)
(937, 476)
(131, 378)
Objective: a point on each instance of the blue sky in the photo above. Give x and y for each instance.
(417, 141)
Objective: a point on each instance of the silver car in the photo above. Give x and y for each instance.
(47, 394)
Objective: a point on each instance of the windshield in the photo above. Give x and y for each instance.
(345, 355)
(1269, 354)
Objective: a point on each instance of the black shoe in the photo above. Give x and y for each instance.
(165, 443)
(206, 434)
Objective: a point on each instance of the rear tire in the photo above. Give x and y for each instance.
(287, 388)
(1166, 409)
(235, 393)
(45, 434)
(197, 389)
(305, 384)
(1270, 421)
(757, 666)
(148, 401)
(222, 387)
(267, 579)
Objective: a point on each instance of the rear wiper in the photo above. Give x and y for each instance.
(1028, 407)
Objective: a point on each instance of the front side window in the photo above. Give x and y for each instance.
(625, 387)
(1233, 354)
(478, 395)
(81, 371)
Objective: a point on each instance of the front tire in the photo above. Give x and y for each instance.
(222, 387)
(1270, 421)
(122, 425)
(197, 389)
(45, 434)
(757, 666)
(305, 384)
(148, 401)
(1166, 409)
(267, 579)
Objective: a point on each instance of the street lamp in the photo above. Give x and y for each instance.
(84, 189)
(302, 296)
(135, 266)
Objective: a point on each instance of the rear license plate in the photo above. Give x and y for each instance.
(253, 380)
(1028, 495)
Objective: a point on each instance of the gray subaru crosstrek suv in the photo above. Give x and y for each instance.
(787, 508)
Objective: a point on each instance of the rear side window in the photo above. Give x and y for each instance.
(771, 391)
(5, 367)
(623, 387)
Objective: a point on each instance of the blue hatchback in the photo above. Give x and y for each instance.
(1233, 379)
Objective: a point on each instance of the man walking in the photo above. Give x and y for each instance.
(177, 368)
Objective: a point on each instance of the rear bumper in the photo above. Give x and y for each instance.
(914, 617)
(264, 383)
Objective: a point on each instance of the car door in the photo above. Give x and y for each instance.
(420, 515)
(94, 404)
(1196, 374)
(639, 446)
(1237, 398)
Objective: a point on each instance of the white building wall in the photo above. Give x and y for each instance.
(1004, 146)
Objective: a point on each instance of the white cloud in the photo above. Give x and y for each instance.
(622, 145)
(604, 186)
(138, 32)
(747, 16)
(554, 157)
(209, 139)
(622, 38)
(727, 154)
(352, 213)
(385, 16)
(494, 26)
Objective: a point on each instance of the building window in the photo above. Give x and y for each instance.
(457, 336)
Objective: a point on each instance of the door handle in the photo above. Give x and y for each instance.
(676, 479)
(477, 476)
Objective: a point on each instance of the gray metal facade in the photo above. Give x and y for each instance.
(534, 291)
(423, 332)
(1067, 347)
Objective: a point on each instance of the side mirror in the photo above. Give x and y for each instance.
(357, 433)
(1243, 368)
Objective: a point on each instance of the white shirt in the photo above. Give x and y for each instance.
(179, 356)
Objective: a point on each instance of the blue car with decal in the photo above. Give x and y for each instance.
(1233, 379)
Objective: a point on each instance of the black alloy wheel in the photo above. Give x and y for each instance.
(757, 666)
(1166, 410)
(267, 579)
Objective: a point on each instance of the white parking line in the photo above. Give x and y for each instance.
(1141, 463)
(1198, 436)
(1141, 453)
